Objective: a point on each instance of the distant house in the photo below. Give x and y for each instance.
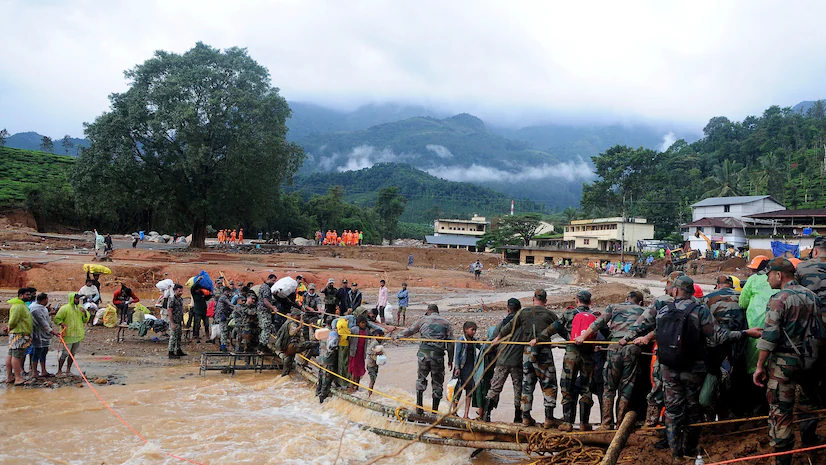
(725, 221)
(458, 234)
(790, 227)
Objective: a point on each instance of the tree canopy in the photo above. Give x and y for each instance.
(197, 137)
(780, 153)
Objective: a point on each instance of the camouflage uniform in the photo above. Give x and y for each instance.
(682, 388)
(787, 323)
(508, 363)
(621, 367)
(724, 304)
(431, 355)
(578, 361)
(175, 305)
(811, 273)
(656, 402)
(245, 322)
(537, 362)
(223, 309)
(288, 343)
(264, 315)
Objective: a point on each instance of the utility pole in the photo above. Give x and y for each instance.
(622, 240)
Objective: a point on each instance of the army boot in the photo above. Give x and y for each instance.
(436, 401)
(808, 433)
(652, 415)
(486, 409)
(419, 402)
(783, 459)
(527, 420)
(622, 407)
(585, 417)
(550, 421)
(674, 438)
(691, 437)
(517, 414)
(568, 413)
(607, 416)
(173, 356)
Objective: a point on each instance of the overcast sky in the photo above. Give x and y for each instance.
(512, 62)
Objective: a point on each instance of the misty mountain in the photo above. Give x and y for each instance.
(308, 119)
(460, 148)
(587, 141)
(428, 197)
(31, 141)
(804, 106)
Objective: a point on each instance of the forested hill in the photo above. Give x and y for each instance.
(779, 153)
(428, 197)
(460, 148)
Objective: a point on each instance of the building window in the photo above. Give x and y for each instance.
(717, 230)
(529, 259)
(699, 229)
(727, 208)
(586, 241)
(549, 260)
(728, 231)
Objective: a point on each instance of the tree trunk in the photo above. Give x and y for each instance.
(625, 430)
(198, 234)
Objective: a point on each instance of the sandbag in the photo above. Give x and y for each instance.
(389, 314)
(381, 359)
(98, 320)
(284, 287)
(190, 282)
(165, 287)
(214, 332)
(140, 308)
(96, 269)
(110, 316)
(204, 281)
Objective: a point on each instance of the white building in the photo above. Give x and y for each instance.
(458, 234)
(607, 234)
(725, 221)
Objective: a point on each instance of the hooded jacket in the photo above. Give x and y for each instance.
(20, 319)
(73, 317)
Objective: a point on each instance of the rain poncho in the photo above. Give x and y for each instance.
(73, 317)
(755, 298)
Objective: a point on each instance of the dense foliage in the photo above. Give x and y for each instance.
(428, 197)
(780, 153)
(197, 138)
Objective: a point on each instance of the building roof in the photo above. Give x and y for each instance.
(717, 223)
(471, 221)
(735, 200)
(811, 213)
(617, 219)
(447, 239)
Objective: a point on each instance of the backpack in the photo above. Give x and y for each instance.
(814, 337)
(582, 320)
(679, 341)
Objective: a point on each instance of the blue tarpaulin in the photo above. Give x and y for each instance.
(780, 249)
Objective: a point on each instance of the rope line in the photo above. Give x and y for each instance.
(773, 454)
(105, 404)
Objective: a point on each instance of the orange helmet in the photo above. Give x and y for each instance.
(757, 261)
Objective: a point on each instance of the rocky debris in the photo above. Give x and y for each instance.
(300, 241)
(578, 275)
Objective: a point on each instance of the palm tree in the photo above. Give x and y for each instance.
(727, 180)
(570, 214)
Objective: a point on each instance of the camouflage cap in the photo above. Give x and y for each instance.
(584, 296)
(673, 276)
(684, 283)
(820, 241)
(782, 265)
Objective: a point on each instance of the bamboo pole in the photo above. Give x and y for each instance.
(428, 439)
(594, 438)
(625, 429)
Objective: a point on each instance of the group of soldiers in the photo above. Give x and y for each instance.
(695, 341)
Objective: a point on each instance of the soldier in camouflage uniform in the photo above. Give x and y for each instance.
(656, 402)
(223, 310)
(175, 306)
(537, 361)
(289, 342)
(788, 323)
(621, 368)
(812, 274)
(578, 361)
(246, 319)
(266, 309)
(508, 363)
(431, 355)
(682, 387)
(724, 305)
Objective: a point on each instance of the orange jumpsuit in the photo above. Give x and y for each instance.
(232, 236)
(241, 236)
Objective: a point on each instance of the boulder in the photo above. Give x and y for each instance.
(166, 237)
(303, 242)
(154, 233)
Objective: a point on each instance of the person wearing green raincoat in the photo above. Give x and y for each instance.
(72, 319)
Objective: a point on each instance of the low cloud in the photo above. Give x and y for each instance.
(668, 141)
(440, 150)
(569, 171)
(363, 156)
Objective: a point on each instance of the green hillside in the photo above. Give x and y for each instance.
(23, 170)
(428, 197)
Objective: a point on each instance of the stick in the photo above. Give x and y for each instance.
(625, 429)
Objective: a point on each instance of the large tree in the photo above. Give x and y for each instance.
(46, 144)
(523, 227)
(67, 143)
(197, 138)
(3, 135)
(389, 206)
